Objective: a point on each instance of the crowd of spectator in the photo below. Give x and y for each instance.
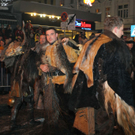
(8, 34)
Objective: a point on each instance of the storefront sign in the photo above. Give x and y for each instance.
(132, 30)
(83, 25)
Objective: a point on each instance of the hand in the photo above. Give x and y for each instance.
(65, 40)
(44, 67)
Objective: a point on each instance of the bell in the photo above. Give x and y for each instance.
(11, 101)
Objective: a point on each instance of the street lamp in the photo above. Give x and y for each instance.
(88, 1)
(85, 2)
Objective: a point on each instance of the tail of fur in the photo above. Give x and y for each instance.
(63, 63)
(125, 114)
(51, 104)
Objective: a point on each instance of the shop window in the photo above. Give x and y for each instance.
(123, 11)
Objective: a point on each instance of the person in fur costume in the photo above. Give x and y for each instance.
(102, 96)
(38, 95)
(21, 61)
(57, 64)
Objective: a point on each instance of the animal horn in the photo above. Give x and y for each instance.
(23, 24)
(24, 40)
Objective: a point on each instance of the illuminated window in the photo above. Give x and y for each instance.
(107, 12)
(61, 3)
(123, 11)
(97, 10)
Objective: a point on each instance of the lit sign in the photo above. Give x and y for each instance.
(132, 30)
(88, 2)
(83, 25)
(5, 2)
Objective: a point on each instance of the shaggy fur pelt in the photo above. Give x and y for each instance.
(63, 62)
(73, 44)
(112, 103)
(117, 61)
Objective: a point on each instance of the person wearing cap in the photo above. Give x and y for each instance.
(130, 43)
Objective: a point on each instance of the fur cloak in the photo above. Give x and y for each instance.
(116, 66)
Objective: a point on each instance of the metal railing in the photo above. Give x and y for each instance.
(4, 77)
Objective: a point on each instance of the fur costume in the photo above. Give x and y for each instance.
(22, 84)
(61, 57)
(24, 72)
(116, 65)
(75, 46)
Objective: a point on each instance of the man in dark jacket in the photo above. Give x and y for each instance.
(102, 82)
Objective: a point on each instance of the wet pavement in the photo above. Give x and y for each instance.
(25, 128)
(22, 119)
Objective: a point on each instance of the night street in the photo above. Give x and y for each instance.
(25, 129)
(67, 67)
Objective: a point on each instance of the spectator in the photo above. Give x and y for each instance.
(92, 36)
(15, 29)
(2, 43)
(130, 43)
(2, 31)
(1, 37)
(78, 39)
(18, 32)
(8, 31)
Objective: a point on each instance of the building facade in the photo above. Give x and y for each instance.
(48, 13)
(122, 8)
